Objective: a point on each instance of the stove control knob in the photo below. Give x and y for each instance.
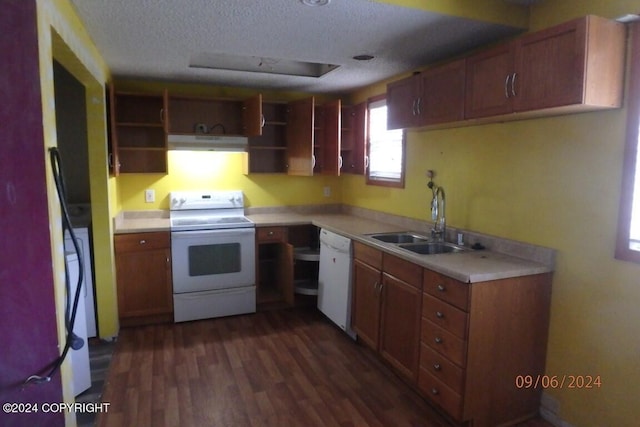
(178, 202)
(238, 200)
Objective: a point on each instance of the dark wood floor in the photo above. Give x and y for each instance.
(275, 368)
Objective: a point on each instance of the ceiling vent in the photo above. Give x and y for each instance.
(259, 64)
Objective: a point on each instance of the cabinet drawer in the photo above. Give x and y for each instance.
(444, 342)
(444, 315)
(141, 241)
(447, 289)
(439, 393)
(271, 234)
(441, 368)
(368, 255)
(404, 270)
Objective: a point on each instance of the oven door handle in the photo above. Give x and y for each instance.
(177, 235)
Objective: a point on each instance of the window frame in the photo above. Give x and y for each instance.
(384, 182)
(632, 144)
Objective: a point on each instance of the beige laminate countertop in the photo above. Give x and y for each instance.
(469, 267)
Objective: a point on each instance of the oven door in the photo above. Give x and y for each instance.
(212, 259)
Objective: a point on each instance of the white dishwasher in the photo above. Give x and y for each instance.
(334, 279)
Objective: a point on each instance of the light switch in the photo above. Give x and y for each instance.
(327, 191)
(149, 196)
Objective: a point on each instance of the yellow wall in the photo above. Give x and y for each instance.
(222, 171)
(62, 35)
(553, 182)
(498, 11)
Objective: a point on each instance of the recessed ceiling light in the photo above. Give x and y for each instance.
(363, 57)
(315, 2)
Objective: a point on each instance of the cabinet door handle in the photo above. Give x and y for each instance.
(513, 84)
(339, 162)
(441, 288)
(439, 314)
(366, 162)
(262, 121)
(162, 115)
(506, 86)
(413, 107)
(437, 366)
(271, 233)
(435, 391)
(419, 106)
(142, 242)
(438, 340)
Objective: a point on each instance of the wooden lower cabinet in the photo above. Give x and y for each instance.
(366, 303)
(386, 307)
(476, 339)
(400, 325)
(143, 271)
(461, 344)
(279, 266)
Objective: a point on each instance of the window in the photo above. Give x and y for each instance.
(385, 149)
(628, 243)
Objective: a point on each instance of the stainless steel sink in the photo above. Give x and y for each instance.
(397, 238)
(431, 248)
(416, 243)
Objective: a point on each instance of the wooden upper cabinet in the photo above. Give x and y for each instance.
(580, 62)
(443, 90)
(488, 75)
(431, 97)
(219, 116)
(403, 98)
(330, 145)
(300, 122)
(113, 160)
(576, 66)
(252, 117)
(138, 132)
(354, 138)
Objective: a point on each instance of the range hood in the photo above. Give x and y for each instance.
(205, 142)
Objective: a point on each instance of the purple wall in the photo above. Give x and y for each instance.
(28, 337)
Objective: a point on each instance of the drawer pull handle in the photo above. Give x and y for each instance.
(435, 391)
(271, 233)
(142, 242)
(439, 314)
(438, 340)
(437, 366)
(441, 288)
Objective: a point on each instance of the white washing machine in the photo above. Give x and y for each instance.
(85, 247)
(80, 366)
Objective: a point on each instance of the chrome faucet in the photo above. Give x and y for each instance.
(437, 215)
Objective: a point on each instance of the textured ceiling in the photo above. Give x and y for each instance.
(156, 39)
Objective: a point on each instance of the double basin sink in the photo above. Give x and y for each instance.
(416, 243)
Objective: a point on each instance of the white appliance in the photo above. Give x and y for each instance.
(82, 234)
(80, 368)
(213, 255)
(334, 279)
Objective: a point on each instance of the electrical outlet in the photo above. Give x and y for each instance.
(327, 191)
(149, 196)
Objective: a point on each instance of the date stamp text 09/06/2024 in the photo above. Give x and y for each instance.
(558, 381)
